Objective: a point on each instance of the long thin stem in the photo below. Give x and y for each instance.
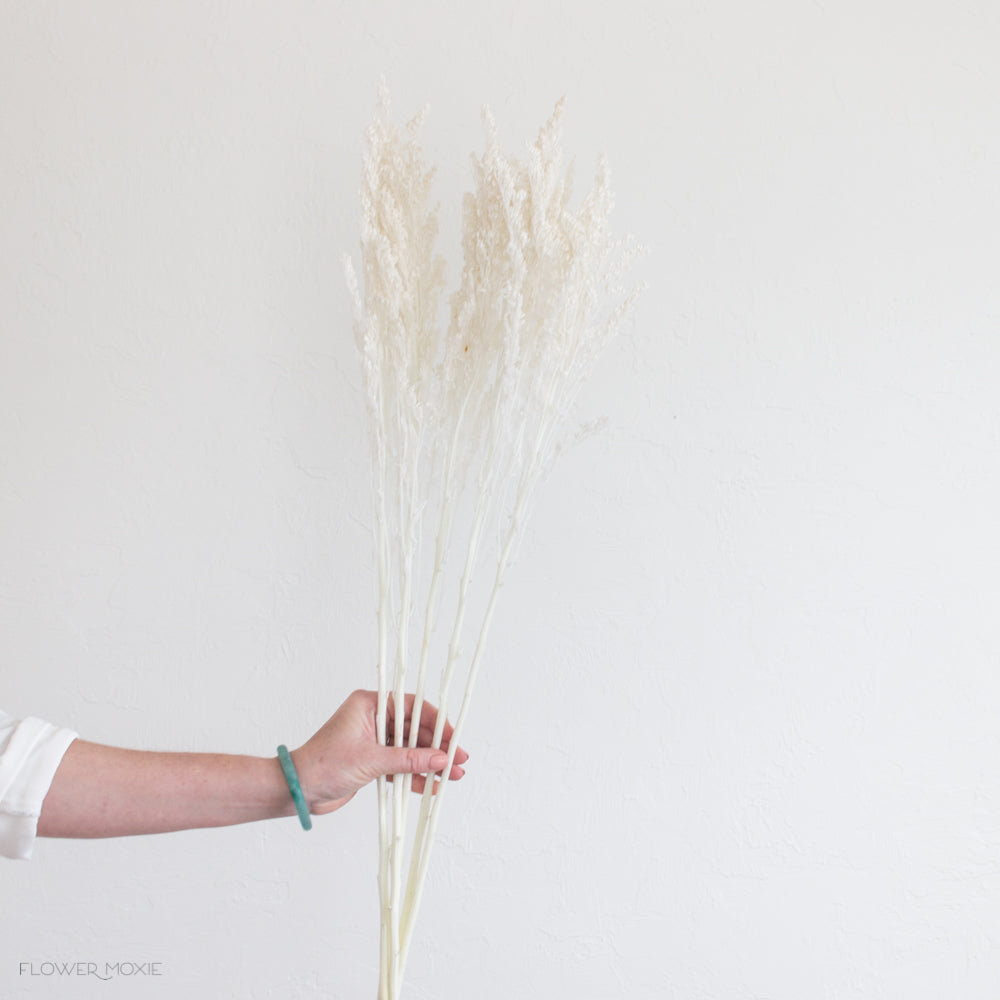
(380, 726)
(410, 504)
(442, 546)
(454, 648)
(416, 893)
(446, 678)
(529, 476)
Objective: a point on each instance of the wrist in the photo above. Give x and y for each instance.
(269, 797)
(293, 782)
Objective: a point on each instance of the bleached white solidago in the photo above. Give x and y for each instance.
(464, 420)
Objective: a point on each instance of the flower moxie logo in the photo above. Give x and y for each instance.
(97, 970)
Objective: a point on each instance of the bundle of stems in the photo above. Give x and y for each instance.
(464, 420)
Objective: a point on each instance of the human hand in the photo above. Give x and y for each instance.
(345, 755)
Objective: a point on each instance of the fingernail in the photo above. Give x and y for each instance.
(438, 761)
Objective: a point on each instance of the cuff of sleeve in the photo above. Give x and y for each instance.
(30, 753)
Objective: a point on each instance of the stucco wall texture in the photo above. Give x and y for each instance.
(737, 734)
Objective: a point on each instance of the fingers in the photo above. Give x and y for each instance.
(455, 774)
(424, 740)
(418, 762)
(428, 716)
(419, 781)
(428, 721)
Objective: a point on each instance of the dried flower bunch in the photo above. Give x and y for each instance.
(464, 419)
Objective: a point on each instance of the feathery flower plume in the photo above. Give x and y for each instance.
(464, 419)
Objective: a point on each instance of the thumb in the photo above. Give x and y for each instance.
(412, 760)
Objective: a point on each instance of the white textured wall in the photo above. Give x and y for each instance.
(738, 735)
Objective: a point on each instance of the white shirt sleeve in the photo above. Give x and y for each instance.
(30, 752)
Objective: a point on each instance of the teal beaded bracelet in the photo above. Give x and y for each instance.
(294, 787)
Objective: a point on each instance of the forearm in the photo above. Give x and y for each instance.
(101, 791)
